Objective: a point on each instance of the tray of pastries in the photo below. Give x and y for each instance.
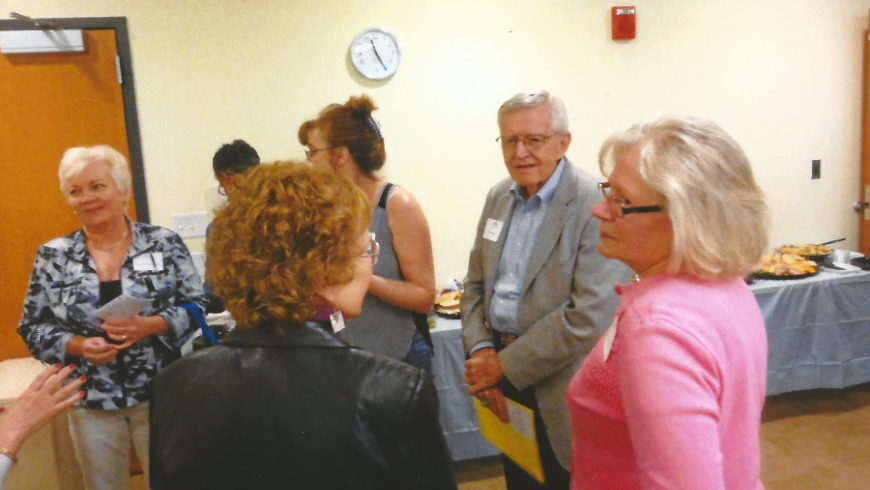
(447, 303)
(816, 253)
(785, 266)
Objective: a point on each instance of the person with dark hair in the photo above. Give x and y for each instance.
(230, 163)
(347, 140)
(233, 159)
(282, 402)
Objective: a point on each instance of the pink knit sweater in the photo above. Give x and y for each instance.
(676, 402)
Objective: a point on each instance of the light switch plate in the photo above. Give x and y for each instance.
(190, 225)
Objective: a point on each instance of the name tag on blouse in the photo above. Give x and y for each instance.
(150, 262)
(609, 335)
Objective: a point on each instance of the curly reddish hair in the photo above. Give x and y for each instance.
(351, 125)
(291, 227)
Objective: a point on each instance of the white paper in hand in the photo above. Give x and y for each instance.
(123, 306)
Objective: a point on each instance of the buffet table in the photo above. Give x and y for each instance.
(818, 331)
(458, 418)
(818, 337)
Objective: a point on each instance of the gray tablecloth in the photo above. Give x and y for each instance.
(458, 419)
(818, 331)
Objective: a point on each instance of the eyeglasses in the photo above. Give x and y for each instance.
(224, 177)
(374, 251)
(530, 141)
(618, 206)
(308, 153)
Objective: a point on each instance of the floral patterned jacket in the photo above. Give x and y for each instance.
(64, 294)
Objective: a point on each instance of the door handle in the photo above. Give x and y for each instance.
(864, 205)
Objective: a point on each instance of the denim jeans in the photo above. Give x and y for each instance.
(420, 355)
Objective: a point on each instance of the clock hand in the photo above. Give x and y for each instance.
(376, 54)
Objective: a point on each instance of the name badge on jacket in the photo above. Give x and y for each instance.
(492, 229)
(150, 262)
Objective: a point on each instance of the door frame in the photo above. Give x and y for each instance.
(128, 92)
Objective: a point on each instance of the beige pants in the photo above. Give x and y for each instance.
(102, 441)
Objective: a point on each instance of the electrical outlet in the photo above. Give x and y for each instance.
(190, 225)
(817, 169)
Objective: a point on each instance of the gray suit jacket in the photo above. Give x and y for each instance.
(568, 297)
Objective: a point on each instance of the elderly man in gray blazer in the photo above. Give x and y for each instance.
(537, 294)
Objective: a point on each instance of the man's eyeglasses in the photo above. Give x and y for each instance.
(530, 141)
(374, 251)
(618, 206)
(308, 153)
(224, 177)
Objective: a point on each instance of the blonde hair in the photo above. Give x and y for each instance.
(75, 160)
(717, 211)
(289, 227)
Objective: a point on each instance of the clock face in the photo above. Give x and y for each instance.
(375, 53)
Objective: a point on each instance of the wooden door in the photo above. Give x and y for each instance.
(862, 205)
(48, 103)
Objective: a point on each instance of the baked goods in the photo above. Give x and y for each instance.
(784, 264)
(447, 303)
(805, 250)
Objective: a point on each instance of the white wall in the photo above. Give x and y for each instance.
(783, 77)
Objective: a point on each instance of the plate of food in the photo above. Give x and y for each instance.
(784, 266)
(447, 304)
(816, 253)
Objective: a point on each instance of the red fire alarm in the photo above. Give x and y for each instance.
(622, 22)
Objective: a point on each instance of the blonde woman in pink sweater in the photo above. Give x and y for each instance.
(671, 396)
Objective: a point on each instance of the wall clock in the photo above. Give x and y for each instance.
(375, 53)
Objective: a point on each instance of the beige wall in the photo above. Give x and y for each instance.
(783, 77)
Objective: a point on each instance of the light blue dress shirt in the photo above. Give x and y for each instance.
(528, 214)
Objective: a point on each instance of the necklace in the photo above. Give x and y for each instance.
(108, 246)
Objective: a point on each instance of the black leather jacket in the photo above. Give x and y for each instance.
(292, 406)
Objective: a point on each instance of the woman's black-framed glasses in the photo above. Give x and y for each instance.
(618, 207)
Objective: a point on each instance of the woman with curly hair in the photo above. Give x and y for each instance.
(282, 401)
(345, 139)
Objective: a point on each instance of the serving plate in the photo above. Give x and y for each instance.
(783, 277)
(455, 316)
(818, 259)
(838, 267)
(862, 262)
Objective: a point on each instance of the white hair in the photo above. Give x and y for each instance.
(718, 212)
(76, 159)
(529, 100)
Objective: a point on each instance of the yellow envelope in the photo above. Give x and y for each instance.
(516, 439)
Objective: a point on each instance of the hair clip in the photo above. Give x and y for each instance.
(374, 126)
